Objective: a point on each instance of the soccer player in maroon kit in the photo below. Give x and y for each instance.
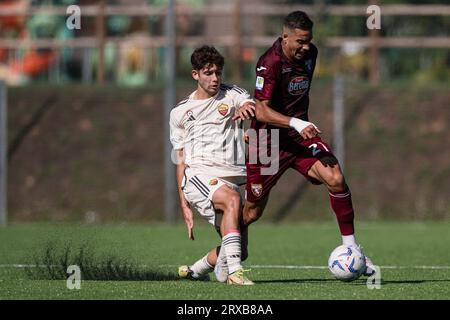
(284, 74)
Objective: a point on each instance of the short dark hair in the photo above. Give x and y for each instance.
(205, 56)
(298, 20)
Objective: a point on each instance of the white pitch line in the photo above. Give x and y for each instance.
(325, 267)
(256, 266)
(19, 266)
(269, 266)
(277, 266)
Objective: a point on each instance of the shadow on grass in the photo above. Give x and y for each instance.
(295, 280)
(387, 282)
(52, 262)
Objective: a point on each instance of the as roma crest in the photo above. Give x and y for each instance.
(223, 109)
(213, 182)
(256, 189)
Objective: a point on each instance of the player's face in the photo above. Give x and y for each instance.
(296, 43)
(208, 78)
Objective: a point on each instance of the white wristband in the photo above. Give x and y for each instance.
(299, 125)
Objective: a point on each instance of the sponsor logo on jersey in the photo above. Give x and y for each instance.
(298, 86)
(259, 83)
(190, 115)
(286, 70)
(223, 109)
(213, 182)
(256, 189)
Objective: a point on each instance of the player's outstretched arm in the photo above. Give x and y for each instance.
(188, 215)
(265, 113)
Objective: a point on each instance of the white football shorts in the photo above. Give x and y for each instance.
(199, 190)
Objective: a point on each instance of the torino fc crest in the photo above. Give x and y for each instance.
(256, 189)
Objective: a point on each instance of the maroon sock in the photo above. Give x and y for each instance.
(341, 202)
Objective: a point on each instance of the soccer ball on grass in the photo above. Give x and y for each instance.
(347, 263)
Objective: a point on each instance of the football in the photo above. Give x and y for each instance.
(347, 263)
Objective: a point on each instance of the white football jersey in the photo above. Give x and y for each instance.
(213, 143)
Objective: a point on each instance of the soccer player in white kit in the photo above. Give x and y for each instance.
(206, 132)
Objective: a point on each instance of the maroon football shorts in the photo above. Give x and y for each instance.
(299, 156)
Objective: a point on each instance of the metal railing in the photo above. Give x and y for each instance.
(236, 40)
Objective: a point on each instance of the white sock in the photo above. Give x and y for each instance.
(231, 243)
(222, 257)
(349, 240)
(221, 268)
(201, 267)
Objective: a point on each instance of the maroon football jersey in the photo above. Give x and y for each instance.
(286, 85)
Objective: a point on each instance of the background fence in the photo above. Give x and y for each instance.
(126, 43)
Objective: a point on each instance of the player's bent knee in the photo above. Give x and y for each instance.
(335, 181)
